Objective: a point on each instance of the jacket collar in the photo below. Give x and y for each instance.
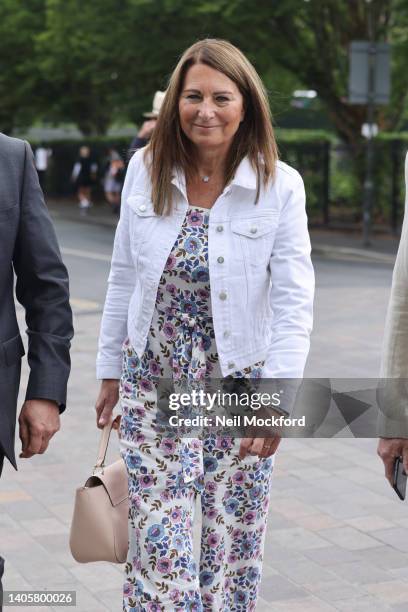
(245, 176)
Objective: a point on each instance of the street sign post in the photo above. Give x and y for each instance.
(362, 55)
(369, 84)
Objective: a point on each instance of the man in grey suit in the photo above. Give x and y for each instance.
(28, 245)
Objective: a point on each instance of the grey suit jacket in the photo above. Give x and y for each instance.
(28, 246)
(393, 392)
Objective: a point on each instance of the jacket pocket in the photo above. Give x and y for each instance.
(256, 236)
(11, 351)
(141, 205)
(142, 219)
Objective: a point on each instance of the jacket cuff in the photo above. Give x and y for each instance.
(47, 389)
(392, 400)
(391, 428)
(109, 369)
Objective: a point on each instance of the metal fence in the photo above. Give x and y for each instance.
(333, 179)
(334, 183)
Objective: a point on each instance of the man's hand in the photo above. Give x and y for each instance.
(39, 420)
(263, 447)
(390, 448)
(107, 399)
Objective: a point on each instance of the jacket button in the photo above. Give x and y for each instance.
(226, 333)
(220, 259)
(231, 365)
(219, 228)
(253, 230)
(222, 295)
(142, 207)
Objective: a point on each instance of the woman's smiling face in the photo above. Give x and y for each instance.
(211, 107)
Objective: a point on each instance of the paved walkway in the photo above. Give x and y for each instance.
(337, 534)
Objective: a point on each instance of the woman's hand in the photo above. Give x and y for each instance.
(263, 447)
(107, 399)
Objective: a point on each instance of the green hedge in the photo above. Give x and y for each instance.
(301, 149)
(347, 180)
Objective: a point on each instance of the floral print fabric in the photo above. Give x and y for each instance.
(167, 472)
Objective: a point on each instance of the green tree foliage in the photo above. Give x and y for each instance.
(79, 51)
(21, 83)
(161, 30)
(97, 61)
(310, 40)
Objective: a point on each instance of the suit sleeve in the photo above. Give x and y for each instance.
(392, 393)
(43, 290)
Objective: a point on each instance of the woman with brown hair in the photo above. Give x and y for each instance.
(209, 218)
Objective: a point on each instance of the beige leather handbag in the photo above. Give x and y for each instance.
(99, 528)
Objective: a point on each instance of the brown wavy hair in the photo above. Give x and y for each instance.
(170, 149)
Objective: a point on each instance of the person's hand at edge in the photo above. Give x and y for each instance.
(38, 421)
(107, 399)
(263, 447)
(389, 449)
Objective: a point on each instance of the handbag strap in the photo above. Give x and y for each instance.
(103, 445)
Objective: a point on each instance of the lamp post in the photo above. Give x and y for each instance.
(369, 153)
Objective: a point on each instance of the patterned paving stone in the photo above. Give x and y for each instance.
(349, 538)
(299, 539)
(307, 604)
(334, 590)
(397, 537)
(370, 523)
(366, 603)
(277, 588)
(384, 557)
(393, 591)
(304, 571)
(317, 521)
(361, 572)
(39, 527)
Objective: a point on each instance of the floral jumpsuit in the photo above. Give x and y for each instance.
(166, 472)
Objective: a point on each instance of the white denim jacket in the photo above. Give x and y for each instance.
(261, 275)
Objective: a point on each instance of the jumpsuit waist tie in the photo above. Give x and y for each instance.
(189, 366)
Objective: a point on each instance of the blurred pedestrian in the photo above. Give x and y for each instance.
(29, 247)
(41, 155)
(83, 176)
(147, 128)
(113, 180)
